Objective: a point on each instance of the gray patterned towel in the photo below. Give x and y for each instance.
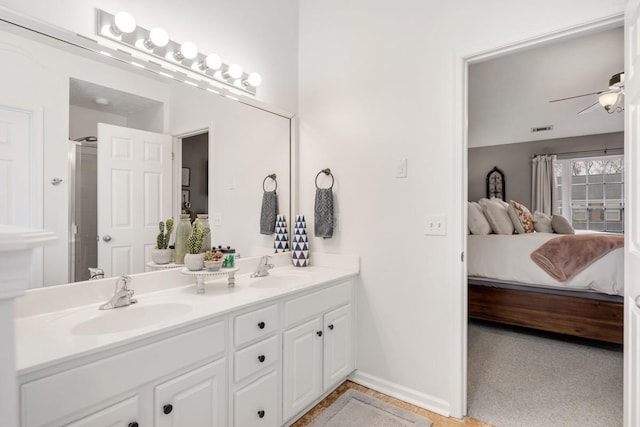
(269, 212)
(323, 211)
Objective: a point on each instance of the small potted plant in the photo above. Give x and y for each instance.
(213, 260)
(194, 259)
(162, 254)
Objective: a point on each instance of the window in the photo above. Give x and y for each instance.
(591, 192)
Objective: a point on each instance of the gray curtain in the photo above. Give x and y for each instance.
(543, 185)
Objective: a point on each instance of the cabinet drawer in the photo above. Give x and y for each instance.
(313, 304)
(256, 405)
(256, 324)
(252, 359)
(55, 397)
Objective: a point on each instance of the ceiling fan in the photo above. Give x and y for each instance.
(611, 99)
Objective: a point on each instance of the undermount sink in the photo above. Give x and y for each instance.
(131, 317)
(281, 279)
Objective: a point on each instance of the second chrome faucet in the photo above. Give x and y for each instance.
(263, 267)
(122, 295)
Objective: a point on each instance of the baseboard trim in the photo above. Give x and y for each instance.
(403, 393)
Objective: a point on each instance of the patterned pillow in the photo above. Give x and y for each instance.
(521, 218)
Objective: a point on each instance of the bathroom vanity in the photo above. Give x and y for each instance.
(257, 354)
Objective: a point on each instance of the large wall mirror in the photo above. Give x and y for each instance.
(61, 98)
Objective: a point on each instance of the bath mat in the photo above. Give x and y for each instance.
(354, 408)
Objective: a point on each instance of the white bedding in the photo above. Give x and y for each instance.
(506, 258)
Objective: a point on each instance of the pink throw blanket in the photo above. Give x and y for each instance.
(564, 257)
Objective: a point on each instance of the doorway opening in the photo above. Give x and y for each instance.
(510, 153)
(195, 175)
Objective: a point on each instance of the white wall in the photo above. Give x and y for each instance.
(377, 83)
(84, 121)
(259, 35)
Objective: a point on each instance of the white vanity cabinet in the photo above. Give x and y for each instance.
(255, 388)
(185, 371)
(317, 349)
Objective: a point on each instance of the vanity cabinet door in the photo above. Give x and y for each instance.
(338, 353)
(302, 367)
(123, 414)
(197, 398)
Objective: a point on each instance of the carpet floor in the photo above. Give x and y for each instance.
(354, 408)
(521, 378)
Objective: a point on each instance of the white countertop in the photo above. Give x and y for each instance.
(44, 339)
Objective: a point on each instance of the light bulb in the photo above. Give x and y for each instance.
(158, 37)
(213, 61)
(188, 50)
(234, 71)
(254, 79)
(124, 22)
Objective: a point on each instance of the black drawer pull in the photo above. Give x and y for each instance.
(261, 325)
(167, 409)
(261, 414)
(261, 358)
(133, 424)
(330, 327)
(319, 333)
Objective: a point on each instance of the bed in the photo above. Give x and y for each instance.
(506, 286)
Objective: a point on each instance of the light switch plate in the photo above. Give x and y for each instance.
(401, 168)
(435, 225)
(215, 219)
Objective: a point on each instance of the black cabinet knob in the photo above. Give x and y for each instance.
(261, 358)
(330, 327)
(133, 424)
(167, 409)
(261, 325)
(261, 414)
(319, 333)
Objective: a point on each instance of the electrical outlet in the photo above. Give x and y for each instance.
(435, 225)
(215, 219)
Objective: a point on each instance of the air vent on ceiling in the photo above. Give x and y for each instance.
(542, 128)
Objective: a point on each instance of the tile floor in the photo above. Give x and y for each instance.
(438, 420)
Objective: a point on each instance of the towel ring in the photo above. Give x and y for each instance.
(273, 177)
(326, 171)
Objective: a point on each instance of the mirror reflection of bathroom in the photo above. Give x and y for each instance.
(90, 104)
(195, 174)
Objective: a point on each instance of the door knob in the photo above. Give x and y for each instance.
(106, 238)
(167, 409)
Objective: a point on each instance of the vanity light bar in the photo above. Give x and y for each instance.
(155, 43)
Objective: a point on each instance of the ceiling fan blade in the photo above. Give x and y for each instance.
(577, 96)
(590, 108)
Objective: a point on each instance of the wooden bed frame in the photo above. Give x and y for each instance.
(572, 315)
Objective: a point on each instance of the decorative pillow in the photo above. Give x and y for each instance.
(476, 220)
(502, 202)
(542, 222)
(561, 225)
(497, 215)
(521, 218)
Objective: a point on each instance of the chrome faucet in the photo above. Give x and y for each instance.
(122, 295)
(263, 267)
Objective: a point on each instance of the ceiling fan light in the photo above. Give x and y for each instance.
(608, 99)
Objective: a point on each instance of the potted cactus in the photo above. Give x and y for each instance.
(213, 260)
(194, 259)
(162, 254)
